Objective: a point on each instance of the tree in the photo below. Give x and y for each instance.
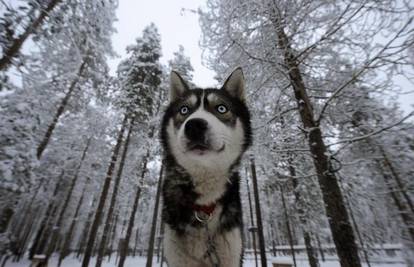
(140, 77)
(36, 16)
(89, 45)
(102, 199)
(305, 60)
(182, 64)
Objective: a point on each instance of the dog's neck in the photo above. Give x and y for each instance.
(210, 185)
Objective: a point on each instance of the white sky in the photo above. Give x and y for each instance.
(175, 27)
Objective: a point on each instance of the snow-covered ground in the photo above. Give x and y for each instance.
(140, 261)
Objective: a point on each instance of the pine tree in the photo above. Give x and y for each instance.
(182, 64)
(35, 16)
(139, 79)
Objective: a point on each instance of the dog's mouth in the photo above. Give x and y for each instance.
(197, 146)
(202, 148)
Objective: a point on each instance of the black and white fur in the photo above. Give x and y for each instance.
(203, 143)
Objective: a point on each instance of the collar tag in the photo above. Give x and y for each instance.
(203, 213)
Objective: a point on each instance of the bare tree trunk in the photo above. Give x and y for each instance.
(288, 228)
(252, 227)
(68, 238)
(122, 240)
(105, 189)
(407, 220)
(154, 221)
(11, 51)
(84, 235)
(401, 187)
(125, 245)
(160, 240)
(337, 214)
(351, 214)
(21, 230)
(46, 233)
(258, 215)
(113, 234)
(43, 224)
(45, 141)
(56, 229)
(318, 240)
(6, 216)
(272, 234)
(106, 231)
(136, 241)
(25, 236)
(310, 251)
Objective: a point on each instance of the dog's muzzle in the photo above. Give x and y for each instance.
(195, 130)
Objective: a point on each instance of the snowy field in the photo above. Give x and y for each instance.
(140, 261)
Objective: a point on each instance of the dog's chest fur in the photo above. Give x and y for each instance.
(185, 237)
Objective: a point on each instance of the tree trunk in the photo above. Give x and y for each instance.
(252, 227)
(160, 240)
(105, 189)
(401, 187)
(121, 240)
(318, 240)
(46, 233)
(106, 231)
(136, 241)
(21, 231)
(407, 220)
(56, 229)
(351, 214)
(68, 238)
(46, 218)
(258, 215)
(113, 235)
(336, 212)
(11, 51)
(272, 235)
(310, 251)
(125, 245)
(84, 235)
(154, 221)
(6, 216)
(23, 241)
(288, 228)
(45, 141)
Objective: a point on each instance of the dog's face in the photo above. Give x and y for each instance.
(207, 128)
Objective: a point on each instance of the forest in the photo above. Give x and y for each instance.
(328, 181)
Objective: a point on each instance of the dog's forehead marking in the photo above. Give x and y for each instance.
(213, 98)
(192, 99)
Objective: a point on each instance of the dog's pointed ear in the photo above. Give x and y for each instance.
(234, 85)
(178, 87)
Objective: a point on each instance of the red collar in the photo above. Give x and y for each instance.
(207, 209)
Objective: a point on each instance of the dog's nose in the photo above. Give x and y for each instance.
(195, 129)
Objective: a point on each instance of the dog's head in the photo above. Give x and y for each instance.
(207, 128)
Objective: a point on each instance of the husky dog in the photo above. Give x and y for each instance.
(204, 134)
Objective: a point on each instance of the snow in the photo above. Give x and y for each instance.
(141, 261)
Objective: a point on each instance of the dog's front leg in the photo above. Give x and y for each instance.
(229, 248)
(180, 251)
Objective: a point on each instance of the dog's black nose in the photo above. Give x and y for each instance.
(195, 129)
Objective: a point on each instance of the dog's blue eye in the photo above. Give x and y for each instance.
(184, 110)
(221, 109)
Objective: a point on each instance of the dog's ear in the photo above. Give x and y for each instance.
(234, 85)
(178, 87)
